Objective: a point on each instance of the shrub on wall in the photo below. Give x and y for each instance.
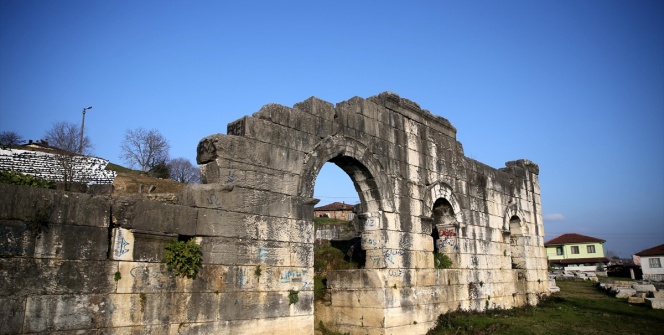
(442, 261)
(11, 177)
(183, 258)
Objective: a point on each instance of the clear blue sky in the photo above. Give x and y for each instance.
(576, 86)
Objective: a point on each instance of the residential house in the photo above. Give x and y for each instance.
(651, 263)
(335, 210)
(576, 252)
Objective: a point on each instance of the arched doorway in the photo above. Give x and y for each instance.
(372, 186)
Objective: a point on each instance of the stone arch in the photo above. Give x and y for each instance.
(363, 168)
(515, 227)
(443, 211)
(511, 210)
(442, 190)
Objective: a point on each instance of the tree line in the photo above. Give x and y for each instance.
(145, 149)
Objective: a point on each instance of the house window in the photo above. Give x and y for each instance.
(654, 263)
(559, 251)
(575, 249)
(591, 249)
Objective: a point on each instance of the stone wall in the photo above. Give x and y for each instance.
(82, 263)
(412, 175)
(82, 169)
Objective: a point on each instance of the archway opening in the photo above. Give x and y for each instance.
(337, 225)
(444, 233)
(517, 243)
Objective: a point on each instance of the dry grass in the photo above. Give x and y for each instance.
(128, 182)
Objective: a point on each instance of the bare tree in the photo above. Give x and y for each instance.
(67, 136)
(144, 148)
(183, 171)
(10, 138)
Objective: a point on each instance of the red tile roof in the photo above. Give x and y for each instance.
(654, 251)
(335, 206)
(573, 238)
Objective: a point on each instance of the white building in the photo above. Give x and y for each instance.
(652, 261)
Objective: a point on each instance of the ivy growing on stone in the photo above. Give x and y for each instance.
(11, 177)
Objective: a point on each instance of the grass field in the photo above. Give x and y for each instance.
(579, 308)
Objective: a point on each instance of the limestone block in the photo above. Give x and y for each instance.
(636, 300)
(625, 293)
(30, 276)
(290, 278)
(228, 251)
(69, 312)
(144, 277)
(422, 259)
(403, 316)
(148, 216)
(269, 228)
(455, 276)
(348, 280)
(644, 288)
(658, 294)
(426, 276)
(359, 298)
(623, 283)
(123, 244)
(301, 231)
(375, 259)
(373, 239)
(655, 303)
(301, 254)
(54, 241)
(277, 130)
(238, 199)
(213, 222)
(285, 325)
(27, 203)
(365, 317)
(16, 239)
(12, 309)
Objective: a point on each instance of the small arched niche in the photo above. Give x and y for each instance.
(444, 232)
(517, 243)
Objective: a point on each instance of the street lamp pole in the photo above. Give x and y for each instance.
(80, 148)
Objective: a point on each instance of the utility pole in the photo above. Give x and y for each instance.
(80, 147)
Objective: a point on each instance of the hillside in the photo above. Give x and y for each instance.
(128, 182)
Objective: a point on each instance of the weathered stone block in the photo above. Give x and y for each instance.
(214, 222)
(29, 276)
(150, 247)
(644, 288)
(238, 199)
(12, 310)
(31, 204)
(346, 280)
(153, 216)
(625, 293)
(655, 303)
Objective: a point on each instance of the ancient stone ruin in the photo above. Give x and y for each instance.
(420, 198)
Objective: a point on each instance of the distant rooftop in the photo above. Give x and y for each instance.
(335, 206)
(654, 251)
(573, 238)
